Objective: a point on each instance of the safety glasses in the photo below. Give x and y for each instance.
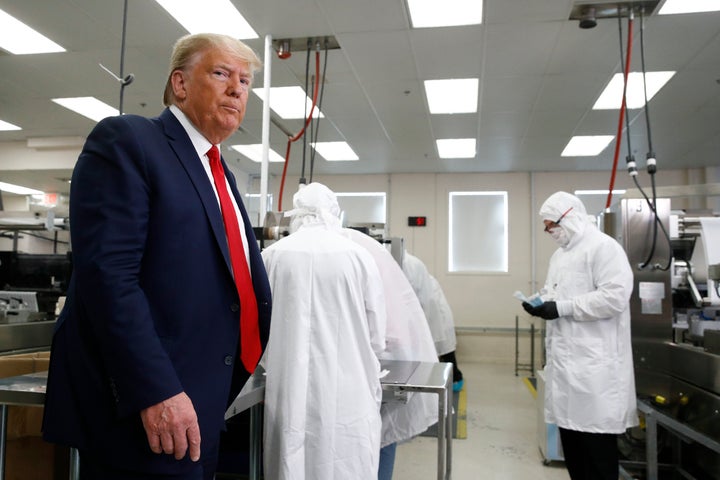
(554, 224)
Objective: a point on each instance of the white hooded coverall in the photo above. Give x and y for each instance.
(590, 385)
(436, 307)
(322, 394)
(407, 337)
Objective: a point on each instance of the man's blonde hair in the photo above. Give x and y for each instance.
(188, 48)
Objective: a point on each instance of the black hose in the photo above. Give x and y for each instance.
(123, 82)
(642, 63)
(319, 106)
(307, 76)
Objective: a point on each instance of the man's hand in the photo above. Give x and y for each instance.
(547, 310)
(171, 426)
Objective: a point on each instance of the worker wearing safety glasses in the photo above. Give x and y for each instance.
(590, 386)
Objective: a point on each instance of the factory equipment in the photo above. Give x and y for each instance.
(277, 226)
(48, 275)
(675, 310)
(16, 307)
(30, 286)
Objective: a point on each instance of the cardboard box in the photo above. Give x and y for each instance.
(24, 421)
(28, 456)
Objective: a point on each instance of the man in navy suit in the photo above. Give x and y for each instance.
(146, 353)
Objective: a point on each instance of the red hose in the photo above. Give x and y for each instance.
(618, 140)
(302, 131)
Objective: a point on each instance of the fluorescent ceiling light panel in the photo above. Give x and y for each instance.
(448, 13)
(213, 16)
(586, 146)
(90, 107)
(254, 153)
(456, 147)
(289, 102)
(10, 188)
(5, 126)
(452, 96)
(689, 6)
(19, 39)
(335, 151)
(611, 97)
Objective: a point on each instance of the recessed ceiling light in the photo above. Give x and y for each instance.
(586, 146)
(456, 147)
(289, 102)
(89, 107)
(5, 126)
(254, 153)
(216, 16)
(335, 151)
(689, 6)
(19, 39)
(611, 97)
(457, 95)
(427, 13)
(10, 188)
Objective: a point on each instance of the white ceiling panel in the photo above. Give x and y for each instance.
(539, 77)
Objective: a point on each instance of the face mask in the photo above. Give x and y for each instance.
(559, 235)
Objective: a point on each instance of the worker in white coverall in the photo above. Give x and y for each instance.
(322, 393)
(589, 378)
(407, 337)
(437, 312)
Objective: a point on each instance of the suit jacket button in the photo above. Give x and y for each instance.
(228, 360)
(234, 307)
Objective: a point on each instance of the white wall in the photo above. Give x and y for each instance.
(484, 308)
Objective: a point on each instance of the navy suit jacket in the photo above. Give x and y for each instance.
(152, 308)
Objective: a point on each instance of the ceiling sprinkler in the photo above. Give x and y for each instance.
(588, 20)
(284, 50)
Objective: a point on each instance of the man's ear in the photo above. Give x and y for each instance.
(177, 80)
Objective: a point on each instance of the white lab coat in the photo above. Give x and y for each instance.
(323, 394)
(589, 376)
(407, 338)
(436, 307)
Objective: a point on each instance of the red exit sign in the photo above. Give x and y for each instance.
(417, 221)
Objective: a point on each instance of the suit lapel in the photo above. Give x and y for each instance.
(187, 156)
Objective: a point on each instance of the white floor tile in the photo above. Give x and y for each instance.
(501, 438)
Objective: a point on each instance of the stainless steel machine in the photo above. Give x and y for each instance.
(30, 286)
(675, 314)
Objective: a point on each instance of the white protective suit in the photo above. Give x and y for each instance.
(437, 310)
(407, 337)
(322, 394)
(590, 385)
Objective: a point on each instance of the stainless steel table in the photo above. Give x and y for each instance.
(434, 378)
(27, 390)
(655, 417)
(428, 377)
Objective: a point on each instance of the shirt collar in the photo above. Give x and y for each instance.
(201, 144)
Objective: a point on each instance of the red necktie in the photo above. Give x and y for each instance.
(250, 349)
